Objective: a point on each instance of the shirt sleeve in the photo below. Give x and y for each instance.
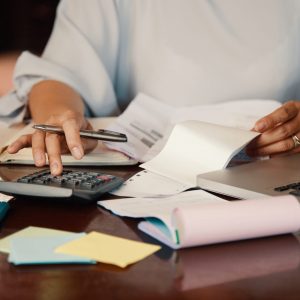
(82, 52)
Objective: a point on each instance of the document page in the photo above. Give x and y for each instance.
(142, 185)
(238, 114)
(145, 122)
(160, 208)
(197, 147)
(148, 124)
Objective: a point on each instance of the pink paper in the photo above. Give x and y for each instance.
(236, 220)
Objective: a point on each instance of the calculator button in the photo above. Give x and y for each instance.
(58, 180)
(39, 181)
(24, 180)
(72, 182)
(87, 185)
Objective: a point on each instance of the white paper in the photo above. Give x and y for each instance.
(196, 147)
(5, 198)
(238, 114)
(148, 184)
(160, 208)
(154, 116)
(148, 122)
(98, 157)
(144, 122)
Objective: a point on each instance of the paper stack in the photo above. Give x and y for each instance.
(198, 218)
(36, 245)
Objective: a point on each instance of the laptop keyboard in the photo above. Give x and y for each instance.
(293, 187)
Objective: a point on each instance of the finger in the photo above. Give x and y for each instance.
(281, 132)
(89, 144)
(72, 136)
(281, 115)
(295, 149)
(78, 146)
(38, 148)
(282, 146)
(22, 142)
(54, 152)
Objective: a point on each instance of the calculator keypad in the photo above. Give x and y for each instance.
(70, 179)
(85, 186)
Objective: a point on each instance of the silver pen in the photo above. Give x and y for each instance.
(100, 134)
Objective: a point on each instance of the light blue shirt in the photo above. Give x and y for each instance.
(182, 53)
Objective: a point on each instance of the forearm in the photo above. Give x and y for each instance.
(49, 98)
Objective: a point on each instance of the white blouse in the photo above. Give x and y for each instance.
(180, 52)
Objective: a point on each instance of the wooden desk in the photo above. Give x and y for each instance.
(257, 269)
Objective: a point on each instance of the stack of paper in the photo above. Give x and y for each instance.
(178, 143)
(40, 250)
(108, 249)
(36, 245)
(197, 225)
(197, 218)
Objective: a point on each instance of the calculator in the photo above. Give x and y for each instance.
(71, 185)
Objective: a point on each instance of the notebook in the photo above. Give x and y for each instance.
(196, 218)
(100, 156)
(272, 177)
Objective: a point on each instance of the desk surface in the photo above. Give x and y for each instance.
(257, 269)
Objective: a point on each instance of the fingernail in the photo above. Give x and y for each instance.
(54, 167)
(77, 153)
(11, 147)
(38, 158)
(260, 127)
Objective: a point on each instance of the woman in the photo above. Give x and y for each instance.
(102, 53)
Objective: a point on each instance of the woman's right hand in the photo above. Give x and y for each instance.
(54, 144)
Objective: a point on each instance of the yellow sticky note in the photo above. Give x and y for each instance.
(30, 231)
(108, 249)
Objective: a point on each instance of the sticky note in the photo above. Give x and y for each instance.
(40, 250)
(3, 209)
(108, 249)
(29, 231)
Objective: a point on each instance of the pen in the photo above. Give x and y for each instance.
(100, 134)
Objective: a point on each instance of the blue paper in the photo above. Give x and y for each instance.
(40, 250)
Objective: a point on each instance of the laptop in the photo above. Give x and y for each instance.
(272, 177)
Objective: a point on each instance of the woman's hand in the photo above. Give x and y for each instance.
(279, 130)
(54, 144)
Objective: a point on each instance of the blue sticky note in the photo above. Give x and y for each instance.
(3, 209)
(40, 250)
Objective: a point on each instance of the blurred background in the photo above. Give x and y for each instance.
(24, 25)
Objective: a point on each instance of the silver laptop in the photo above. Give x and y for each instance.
(275, 176)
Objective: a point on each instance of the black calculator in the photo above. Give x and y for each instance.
(71, 185)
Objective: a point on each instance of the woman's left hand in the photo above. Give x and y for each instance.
(280, 132)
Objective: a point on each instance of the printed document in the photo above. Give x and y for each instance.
(159, 208)
(148, 124)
